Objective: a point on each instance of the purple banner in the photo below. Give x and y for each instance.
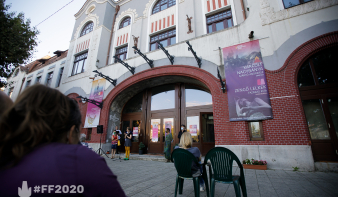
(248, 95)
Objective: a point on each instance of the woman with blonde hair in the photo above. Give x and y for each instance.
(39, 136)
(186, 143)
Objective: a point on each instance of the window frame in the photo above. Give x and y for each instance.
(38, 79)
(127, 19)
(118, 52)
(168, 38)
(28, 83)
(160, 3)
(261, 131)
(10, 92)
(49, 79)
(90, 26)
(300, 3)
(79, 60)
(224, 20)
(60, 77)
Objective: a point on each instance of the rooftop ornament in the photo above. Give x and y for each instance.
(98, 104)
(199, 60)
(220, 79)
(112, 81)
(170, 57)
(150, 62)
(131, 69)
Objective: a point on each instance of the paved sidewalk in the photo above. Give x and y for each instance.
(140, 178)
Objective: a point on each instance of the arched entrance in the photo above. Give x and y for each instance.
(318, 87)
(142, 85)
(168, 106)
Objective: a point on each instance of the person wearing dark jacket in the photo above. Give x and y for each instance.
(181, 131)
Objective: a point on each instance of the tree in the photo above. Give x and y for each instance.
(17, 41)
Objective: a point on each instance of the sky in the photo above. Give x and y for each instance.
(55, 32)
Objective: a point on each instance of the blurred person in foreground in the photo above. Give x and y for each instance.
(5, 103)
(39, 138)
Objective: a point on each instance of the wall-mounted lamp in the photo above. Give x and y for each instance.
(251, 34)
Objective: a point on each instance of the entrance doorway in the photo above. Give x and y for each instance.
(169, 106)
(318, 86)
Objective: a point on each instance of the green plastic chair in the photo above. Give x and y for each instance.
(183, 161)
(221, 161)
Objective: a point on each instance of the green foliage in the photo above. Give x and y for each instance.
(17, 41)
(141, 146)
(295, 168)
(254, 162)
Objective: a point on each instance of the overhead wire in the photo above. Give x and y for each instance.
(54, 13)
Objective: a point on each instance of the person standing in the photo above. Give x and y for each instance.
(181, 132)
(119, 133)
(127, 144)
(167, 144)
(113, 144)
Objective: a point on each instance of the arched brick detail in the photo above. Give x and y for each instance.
(219, 98)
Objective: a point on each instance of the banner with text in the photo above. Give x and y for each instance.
(248, 96)
(93, 112)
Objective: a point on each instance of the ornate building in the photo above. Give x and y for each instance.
(167, 85)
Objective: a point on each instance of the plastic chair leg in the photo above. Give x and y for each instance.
(212, 187)
(237, 188)
(176, 185)
(196, 186)
(180, 188)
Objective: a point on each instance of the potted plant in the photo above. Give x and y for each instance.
(141, 146)
(255, 164)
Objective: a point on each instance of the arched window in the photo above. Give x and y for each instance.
(162, 5)
(87, 29)
(125, 22)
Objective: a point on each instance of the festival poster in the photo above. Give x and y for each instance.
(193, 130)
(155, 132)
(167, 125)
(135, 131)
(248, 95)
(93, 111)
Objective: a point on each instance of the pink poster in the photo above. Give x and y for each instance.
(155, 133)
(93, 112)
(135, 131)
(193, 130)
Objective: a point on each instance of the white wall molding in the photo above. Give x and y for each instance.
(269, 15)
(90, 17)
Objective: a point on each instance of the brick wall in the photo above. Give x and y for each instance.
(288, 127)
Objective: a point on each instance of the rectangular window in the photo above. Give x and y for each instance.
(28, 83)
(291, 3)
(166, 38)
(38, 79)
(10, 92)
(121, 53)
(60, 77)
(79, 64)
(219, 21)
(49, 79)
(256, 131)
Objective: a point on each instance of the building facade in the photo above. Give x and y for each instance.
(298, 42)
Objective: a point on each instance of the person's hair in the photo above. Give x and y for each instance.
(186, 140)
(114, 132)
(39, 115)
(183, 125)
(5, 102)
(128, 129)
(167, 130)
(83, 137)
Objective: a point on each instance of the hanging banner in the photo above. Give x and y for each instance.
(248, 95)
(167, 125)
(155, 132)
(193, 130)
(135, 131)
(93, 111)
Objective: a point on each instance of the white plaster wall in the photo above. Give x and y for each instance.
(277, 156)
